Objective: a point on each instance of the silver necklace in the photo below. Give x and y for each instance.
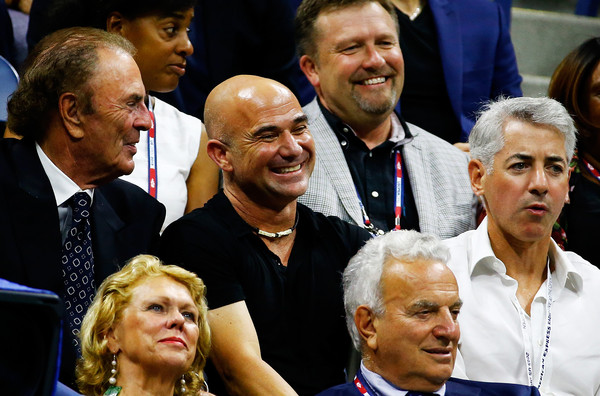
(277, 234)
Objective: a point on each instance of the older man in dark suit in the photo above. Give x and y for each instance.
(402, 306)
(65, 222)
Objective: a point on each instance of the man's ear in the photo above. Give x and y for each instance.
(365, 322)
(568, 198)
(477, 175)
(70, 114)
(115, 23)
(217, 151)
(309, 67)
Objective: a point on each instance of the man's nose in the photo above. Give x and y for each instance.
(539, 181)
(143, 121)
(447, 327)
(289, 145)
(373, 58)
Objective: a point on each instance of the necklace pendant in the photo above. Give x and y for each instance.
(113, 391)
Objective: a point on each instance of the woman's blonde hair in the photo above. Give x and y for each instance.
(113, 296)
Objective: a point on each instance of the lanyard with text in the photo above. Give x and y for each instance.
(398, 200)
(528, 351)
(591, 169)
(152, 171)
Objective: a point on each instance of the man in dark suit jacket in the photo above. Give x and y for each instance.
(79, 107)
(402, 305)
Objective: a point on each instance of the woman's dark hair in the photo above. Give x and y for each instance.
(93, 13)
(570, 84)
(132, 9)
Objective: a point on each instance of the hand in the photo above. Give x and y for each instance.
(463, 146)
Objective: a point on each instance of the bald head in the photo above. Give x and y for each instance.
(233, 103)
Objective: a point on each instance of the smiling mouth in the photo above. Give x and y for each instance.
(373, 81)
(288, 169)
(439, 351)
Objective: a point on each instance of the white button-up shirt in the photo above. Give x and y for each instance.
(493, 343)
(63, 187)
(385, 388)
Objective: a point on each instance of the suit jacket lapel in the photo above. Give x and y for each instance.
(451, 51)
(421, 183)
(106, 229)
(334, 162)
(37, 229)
(458, 389)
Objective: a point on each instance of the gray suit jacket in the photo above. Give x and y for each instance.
(437, 171)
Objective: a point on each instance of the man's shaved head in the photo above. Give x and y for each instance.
(234, 102)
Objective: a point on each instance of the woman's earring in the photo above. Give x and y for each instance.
(183, 384)
(113, 371)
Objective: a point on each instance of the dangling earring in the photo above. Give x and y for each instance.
(113, 371)
(183, 384)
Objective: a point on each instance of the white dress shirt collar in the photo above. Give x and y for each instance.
(384, 388)
(62, 186)
(565, 274)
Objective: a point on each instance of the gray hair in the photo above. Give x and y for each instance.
(487, 137)
(362, 277)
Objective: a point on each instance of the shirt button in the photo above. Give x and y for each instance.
(370, 154)
(540, 342)
(374, 194)
(344, 143)
(345, 130)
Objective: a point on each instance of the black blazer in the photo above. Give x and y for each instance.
(125, 222)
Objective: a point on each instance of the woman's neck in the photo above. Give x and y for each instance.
(135, 380)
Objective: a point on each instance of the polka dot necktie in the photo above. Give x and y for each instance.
(78, 264)
(413, 393)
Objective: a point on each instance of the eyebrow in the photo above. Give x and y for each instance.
(165, 299)
(270, 127)
(527, 157)
(425, 304)
(173, 14)
(300, 119)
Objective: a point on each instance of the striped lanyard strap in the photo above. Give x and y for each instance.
(152, 168)
(398, 200)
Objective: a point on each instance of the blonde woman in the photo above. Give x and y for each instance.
(145, 333)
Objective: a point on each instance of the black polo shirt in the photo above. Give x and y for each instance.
(374, 174)
(297, 310)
